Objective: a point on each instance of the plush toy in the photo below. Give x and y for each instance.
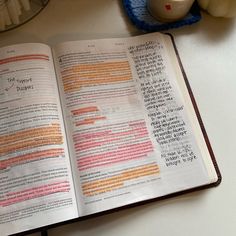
(219, 8)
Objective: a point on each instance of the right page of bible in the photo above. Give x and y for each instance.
(132, 134)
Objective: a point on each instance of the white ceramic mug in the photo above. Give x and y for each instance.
(169, 10)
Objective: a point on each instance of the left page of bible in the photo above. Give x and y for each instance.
(36, 186)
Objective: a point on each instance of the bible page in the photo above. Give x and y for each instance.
(129, 136)
(36, 187)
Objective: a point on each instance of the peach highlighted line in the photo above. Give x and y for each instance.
(85, 110)
(115, 182)
(30, 138)
(93, 113)
(35, 192)
(24, 57)
(30, 144)
(53, 129)
(39, 155)
(95, 74)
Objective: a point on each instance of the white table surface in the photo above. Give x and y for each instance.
(208, 52)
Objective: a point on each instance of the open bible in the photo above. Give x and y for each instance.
(94, 125)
